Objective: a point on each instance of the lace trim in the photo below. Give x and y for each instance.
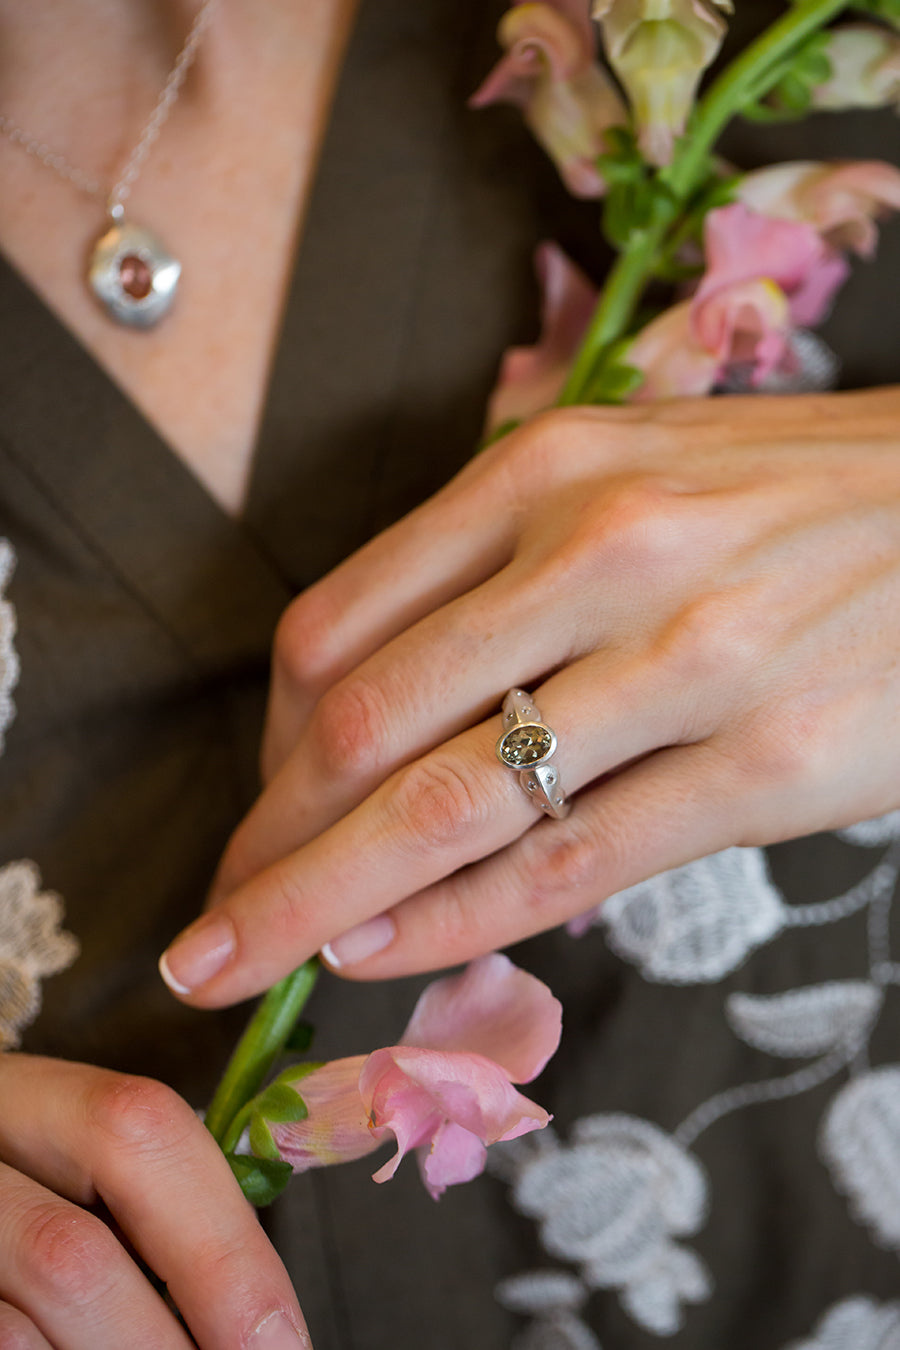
(32, 945)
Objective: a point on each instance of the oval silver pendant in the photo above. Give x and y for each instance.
(133, 276)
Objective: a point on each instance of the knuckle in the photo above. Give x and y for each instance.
(534, 455)
(349, 729)
(437, 805)
(789, 745)
(636, 524)
(564, 876)
(139, 1114)
(714, 638)
(303, 643)
(66, 1254)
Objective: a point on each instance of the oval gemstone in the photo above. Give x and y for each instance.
(525, 745)
(135, 277)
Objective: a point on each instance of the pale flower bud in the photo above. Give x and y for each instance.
(865, 68)
(659, 49)
(550, 72)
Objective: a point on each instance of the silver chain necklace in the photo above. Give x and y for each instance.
(132, 274)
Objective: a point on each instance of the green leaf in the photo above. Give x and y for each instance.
(301, 1038)
(261, 1141)
(615, 383)
(280, 1103)
(294, 1072)
(261, 1179)
(882, 9)
(793, 93)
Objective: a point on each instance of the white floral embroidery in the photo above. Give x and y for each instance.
(869, 833)
(31, 946)
(698, 922)
(809, 1021)
(9, 661)
(860, 1141)
(612, 1200)
(856, 1324)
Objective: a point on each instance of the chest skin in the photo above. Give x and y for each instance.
(225, 188)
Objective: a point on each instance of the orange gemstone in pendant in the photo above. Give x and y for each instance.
(135, 277)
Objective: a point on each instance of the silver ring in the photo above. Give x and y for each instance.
(526, 745)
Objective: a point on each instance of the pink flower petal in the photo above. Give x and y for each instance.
(337, 1127)
(742, 245)
(455, 1155)
(531, 378)
(491, 1009)
(674, 362)
(412, 1092)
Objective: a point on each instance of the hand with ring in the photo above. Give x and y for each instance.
(701, 597)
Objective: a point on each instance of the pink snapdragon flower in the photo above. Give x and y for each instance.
(841, 201)
(550, 72)
(446, 1090)
(865, 68)
(531, 378)
(659, 49)
(764, 278)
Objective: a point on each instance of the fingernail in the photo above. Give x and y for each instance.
(357, 943)
(275, 1332)
(198, 953)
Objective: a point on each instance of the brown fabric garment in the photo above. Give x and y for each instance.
(145, 618)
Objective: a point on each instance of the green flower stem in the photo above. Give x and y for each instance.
(257, 1050)
(747, 79)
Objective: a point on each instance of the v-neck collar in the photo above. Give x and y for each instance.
(322, 480)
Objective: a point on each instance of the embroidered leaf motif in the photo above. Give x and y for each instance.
(560, 1332)
(541, 1291)
(9, 661)
(869, 833)
(808, 1021)
(697, 922)
(856, 1324)
(860, 1141)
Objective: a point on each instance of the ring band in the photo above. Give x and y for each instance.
(526, 746)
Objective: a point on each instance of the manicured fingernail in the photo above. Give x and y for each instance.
(358, 943)
(275, 1332)
(198, 953)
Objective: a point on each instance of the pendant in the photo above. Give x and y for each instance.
(132, 275)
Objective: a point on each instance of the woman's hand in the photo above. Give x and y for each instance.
(70, 1136)
(703, 599)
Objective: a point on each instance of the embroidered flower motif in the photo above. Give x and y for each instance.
(694, 923)
(31, 946)
(855, 1324)
(612, 1201)
(9, 661)
(860, 1141)
(870, 833)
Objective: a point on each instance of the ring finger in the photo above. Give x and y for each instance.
(452, 807)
